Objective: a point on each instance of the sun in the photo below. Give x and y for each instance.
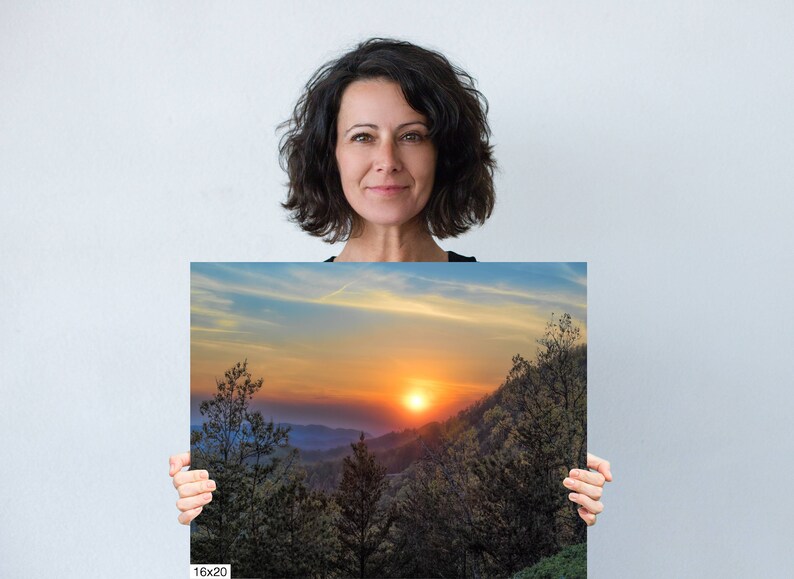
(416, 401)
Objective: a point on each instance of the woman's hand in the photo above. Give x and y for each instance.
(588, 487)
(194, 488)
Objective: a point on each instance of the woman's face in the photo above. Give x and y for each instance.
(386, 160)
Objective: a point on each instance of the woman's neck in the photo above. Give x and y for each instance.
(392, 244)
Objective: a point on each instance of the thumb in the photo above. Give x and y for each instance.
(600, 465)
(177, 461)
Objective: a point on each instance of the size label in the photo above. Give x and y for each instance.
(210, 571)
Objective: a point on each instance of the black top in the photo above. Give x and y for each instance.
(450, 254)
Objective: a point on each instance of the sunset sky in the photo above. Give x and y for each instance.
(372, 346)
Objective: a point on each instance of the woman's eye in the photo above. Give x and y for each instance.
(412, 137)
(361, 138)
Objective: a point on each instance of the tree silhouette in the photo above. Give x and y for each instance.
(363, 524)
(235, 446)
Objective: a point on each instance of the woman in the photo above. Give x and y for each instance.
(388, 148)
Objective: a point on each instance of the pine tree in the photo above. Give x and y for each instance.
(235, 446)
(363, 524)
(548, 400)
(299, 535)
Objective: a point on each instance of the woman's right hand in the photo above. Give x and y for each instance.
(194, 487)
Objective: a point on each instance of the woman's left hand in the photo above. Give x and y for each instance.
(588, 487)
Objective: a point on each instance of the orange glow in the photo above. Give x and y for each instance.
(416, 401)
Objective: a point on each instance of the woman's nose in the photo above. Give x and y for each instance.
(388, 157)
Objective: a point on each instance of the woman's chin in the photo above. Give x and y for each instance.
(379, 222)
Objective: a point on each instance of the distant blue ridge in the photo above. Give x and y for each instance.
(316, 436)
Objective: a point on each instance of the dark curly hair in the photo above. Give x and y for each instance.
(463, 191)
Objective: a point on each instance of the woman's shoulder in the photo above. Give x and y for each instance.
(450, 254)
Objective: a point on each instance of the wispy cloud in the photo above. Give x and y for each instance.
(399, 293)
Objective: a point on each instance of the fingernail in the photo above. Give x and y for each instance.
(211, 485)
(568, 482)
(199, 510)
(172, 467)
(573, 496)
(207, 497)
(575, 472)
(204, 474)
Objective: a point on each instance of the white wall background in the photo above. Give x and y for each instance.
(653, 140)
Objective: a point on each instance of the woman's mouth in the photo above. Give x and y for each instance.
(387, 190)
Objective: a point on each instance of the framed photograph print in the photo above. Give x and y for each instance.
(389, 419)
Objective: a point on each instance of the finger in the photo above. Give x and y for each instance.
(188, 476)
(593, 491)
(188, 516)
(177, 461)
(591, 478)
(600, 465)
(586, 516)
(195, 488)
(189, 503)
(594, 507)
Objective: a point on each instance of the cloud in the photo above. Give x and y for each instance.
(401, 292)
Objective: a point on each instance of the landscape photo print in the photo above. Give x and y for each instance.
(389, 419)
